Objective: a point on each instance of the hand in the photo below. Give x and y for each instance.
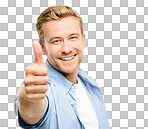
(36, 77)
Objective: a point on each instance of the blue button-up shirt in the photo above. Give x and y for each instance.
(61, 112)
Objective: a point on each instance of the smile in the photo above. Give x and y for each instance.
(68, 58)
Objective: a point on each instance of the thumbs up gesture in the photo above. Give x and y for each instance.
(36, 76)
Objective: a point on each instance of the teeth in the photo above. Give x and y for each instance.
(67, 58)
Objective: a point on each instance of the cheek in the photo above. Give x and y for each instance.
(79, 47)
(53, 51)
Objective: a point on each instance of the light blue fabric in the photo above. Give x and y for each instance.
(61, 112)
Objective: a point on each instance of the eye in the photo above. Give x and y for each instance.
(56, 41)
(73, 37)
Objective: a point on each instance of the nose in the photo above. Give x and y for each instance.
(66, 47)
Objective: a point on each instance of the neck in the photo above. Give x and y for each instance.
(72, 77)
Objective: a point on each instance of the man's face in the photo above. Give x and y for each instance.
(64, 44)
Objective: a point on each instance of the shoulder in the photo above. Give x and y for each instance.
(86, 78)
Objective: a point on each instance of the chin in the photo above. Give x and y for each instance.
(68, 70)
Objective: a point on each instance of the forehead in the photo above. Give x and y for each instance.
(62, 27)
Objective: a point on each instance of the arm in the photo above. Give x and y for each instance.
(31, 112)
(32, 96)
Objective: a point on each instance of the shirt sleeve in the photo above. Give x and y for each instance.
(35, 126)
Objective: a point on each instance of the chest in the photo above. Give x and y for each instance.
(65, 106)
(84, 107)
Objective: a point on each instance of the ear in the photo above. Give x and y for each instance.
(84, 40)
(43, 48)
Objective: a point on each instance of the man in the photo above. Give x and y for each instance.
(58, 94)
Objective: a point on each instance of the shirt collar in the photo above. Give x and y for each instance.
(85, 78)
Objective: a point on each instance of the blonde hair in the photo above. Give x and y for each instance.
(55, 13)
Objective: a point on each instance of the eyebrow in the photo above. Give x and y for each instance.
(50, 39)
(75, 34)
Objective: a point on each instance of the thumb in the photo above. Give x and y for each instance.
(38, 53)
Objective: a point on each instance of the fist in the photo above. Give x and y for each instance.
(36, 76)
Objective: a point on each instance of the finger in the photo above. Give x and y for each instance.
(38, 53)
(36, 80)
(35, 97)
(36, 88)
(36, 70)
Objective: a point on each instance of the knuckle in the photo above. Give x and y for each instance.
(45, 71)
(46, 79)
(29, 96)
(26, 81)
(27, 89)
(46, 88)
(28, 70)
(43, 96)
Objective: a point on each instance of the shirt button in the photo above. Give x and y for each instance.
(72, 87)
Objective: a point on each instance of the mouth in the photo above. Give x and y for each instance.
(67, 58)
